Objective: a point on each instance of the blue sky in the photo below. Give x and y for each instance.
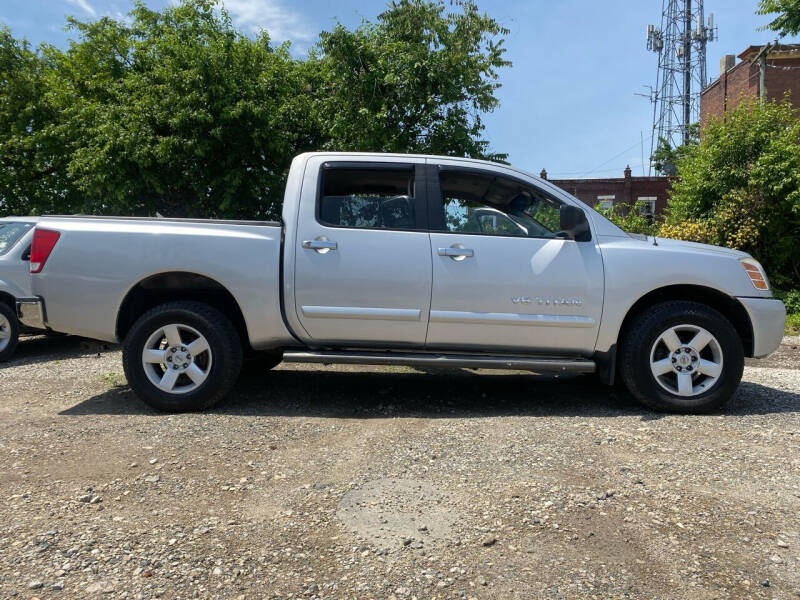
(568, 104)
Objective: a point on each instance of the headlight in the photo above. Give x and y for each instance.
(756, 273)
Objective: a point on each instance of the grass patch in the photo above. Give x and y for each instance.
(793, 324)
(114, 379)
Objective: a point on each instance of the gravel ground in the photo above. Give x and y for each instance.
(347, 482)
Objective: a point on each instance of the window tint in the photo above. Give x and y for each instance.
(368, 198)
(10, 233)
(491, 205)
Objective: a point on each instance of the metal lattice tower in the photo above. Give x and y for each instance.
(681, 47)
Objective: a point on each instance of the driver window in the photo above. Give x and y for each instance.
(486, 204)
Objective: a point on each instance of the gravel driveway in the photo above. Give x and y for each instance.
(348, 482)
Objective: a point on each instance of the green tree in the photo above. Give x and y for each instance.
(179, 113)
(665, 158)
(33, 158)
(740, 187)
(417, 80)
(175, 111)
(788, 20)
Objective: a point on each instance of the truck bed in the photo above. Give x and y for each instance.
(100, 260)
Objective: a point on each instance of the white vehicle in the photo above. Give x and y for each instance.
(412, 260)
(16, 234)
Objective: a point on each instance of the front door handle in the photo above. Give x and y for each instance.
(321, 246)
(457, 252)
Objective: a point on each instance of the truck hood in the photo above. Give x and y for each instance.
(669, 244)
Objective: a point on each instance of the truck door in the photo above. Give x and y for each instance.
(362, 267)
(504, 276)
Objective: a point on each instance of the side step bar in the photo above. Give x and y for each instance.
(464, 361)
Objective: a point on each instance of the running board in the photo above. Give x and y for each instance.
(463, 361)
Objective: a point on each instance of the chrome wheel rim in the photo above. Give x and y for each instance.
(177, 359)
(686, 360)
(5, 332)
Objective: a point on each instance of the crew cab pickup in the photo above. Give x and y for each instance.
(407, 260)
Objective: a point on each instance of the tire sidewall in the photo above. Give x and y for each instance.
(221, 350)
(732, 361)
(13, 324)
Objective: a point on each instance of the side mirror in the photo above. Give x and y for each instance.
(573, 221)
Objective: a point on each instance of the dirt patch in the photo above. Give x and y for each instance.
(390, 513)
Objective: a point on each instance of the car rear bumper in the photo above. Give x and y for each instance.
(31, 313)
(768, 318)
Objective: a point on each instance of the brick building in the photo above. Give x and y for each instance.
(737, 81)
(616, 191)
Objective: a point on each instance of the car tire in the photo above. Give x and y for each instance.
(682, 357)
(182, 356)
(9, 331)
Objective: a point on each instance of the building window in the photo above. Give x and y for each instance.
(648, 208)
(605, 202)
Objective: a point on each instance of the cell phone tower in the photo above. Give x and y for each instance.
(681, 47)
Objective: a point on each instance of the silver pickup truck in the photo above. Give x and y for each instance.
(406, 260)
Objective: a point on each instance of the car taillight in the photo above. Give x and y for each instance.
(43, 242)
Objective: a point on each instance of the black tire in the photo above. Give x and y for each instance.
(638, 340)
(12, 329)
(223, 341)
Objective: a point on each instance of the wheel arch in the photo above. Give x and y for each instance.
(160, 288)
(9, 299)
(728, 306)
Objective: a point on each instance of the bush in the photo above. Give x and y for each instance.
(691, 231)
(740, 187)
(630, 218)
(791, 299)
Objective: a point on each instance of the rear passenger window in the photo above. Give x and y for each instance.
(368, 198)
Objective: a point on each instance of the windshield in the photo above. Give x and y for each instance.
(10, 233)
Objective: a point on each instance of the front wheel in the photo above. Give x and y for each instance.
(9, 331)
(182, 356)
(681, 357)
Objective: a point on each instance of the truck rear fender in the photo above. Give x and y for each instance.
(178, 285)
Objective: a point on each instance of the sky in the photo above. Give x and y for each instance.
(568, 104)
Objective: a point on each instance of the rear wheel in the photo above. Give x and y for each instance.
(9, 331)
(682, 357)
(182, 356)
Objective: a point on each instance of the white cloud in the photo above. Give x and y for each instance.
(84, 6)
(281, 23)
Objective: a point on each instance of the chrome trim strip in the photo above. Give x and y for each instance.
(481, 318)
(357, 312)
(467, 361)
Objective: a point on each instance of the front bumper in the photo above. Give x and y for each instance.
(768, 318)
(31, 313)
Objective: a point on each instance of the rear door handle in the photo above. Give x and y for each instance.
(457, 253)
(320, 246)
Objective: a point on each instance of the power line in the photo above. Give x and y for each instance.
(631, 147)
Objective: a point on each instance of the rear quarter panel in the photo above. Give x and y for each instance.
(96, 262)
